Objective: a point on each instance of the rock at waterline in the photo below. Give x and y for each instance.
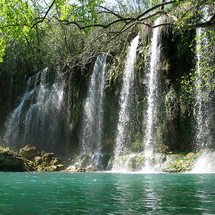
(10, 161)
(41, 161)
(29, 152)
(30, 159)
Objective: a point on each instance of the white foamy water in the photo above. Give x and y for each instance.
(203, 137)
(128, 79)
(36, 119)
(127, 83)
(93, 112)
(152, 95)
(205, 163)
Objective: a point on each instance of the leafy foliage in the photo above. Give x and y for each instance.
(205, 66)
(38, 24)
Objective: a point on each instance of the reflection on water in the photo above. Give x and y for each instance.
(106, 193)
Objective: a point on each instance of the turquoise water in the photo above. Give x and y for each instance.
(106, 193)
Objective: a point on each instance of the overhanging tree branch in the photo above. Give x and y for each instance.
(110, 12)
(44, 17)
(120, 18)
(142, 18)
(155, 7)
(146, 15)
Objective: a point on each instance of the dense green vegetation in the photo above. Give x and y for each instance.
(75, 31)
(38, 34)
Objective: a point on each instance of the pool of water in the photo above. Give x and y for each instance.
(106, 193)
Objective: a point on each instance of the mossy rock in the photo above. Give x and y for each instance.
(10, 161)
(40, 168)
(137, 162)
(29, 160)
(47, 157)
(38, 160)
(85, 160)
(178, 163)
(130, 162)
(55, 161)
(190, 155)
(60, 167)
(29, 152)
(31, 165)
(51, 168)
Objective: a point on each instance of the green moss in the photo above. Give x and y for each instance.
(180, 163)
(137, 146)
(5, 148)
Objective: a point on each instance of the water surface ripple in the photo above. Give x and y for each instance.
(106, 193)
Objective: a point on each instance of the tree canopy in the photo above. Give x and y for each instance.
(36, 24)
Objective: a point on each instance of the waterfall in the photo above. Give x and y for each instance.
(92, 121)
(203, 111)
(37, 119)
(152, 97)
(127, 83)
(205, 163)
(201, 106)
(203, 137)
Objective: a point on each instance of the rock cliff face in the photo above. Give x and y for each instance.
(61, 133)
(174, 130)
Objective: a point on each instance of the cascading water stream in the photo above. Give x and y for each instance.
(93, 112)
(36, 120)
(203, 138)
(205, 163)
(152, 95)
(128, 79)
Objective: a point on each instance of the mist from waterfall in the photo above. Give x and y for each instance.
(37, 119)
(92, 121)
(152, 96)
(127, 83)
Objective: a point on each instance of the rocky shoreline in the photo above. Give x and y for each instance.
(29, 159)
(170, 162)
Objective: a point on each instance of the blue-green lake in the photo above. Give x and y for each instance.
(106, 193)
